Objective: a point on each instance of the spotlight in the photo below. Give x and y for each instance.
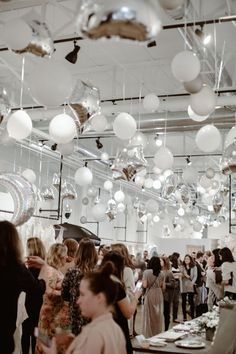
(72, 56)
(158, 141)
(188, 160)
(152, 44)
(99, 144)
(203, 37)
(54, 147)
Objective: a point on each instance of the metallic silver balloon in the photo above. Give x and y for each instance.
(47, 193)
(135, 20)
(217, 202)
(67, 208)
(68, 191)
(5, 108)
(56, 181)
(23, 196)
(92, 192)
(176, 12)
(169, 186)
(111, 204)
(84, 103)
(41, 43)
(128, 163)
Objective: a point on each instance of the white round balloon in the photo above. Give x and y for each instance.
(108, 185)
(92, 192)
(139, 139)
(16, 34)
(29, 175)
(203, 103)
(19, 125)
(148, 183)
(208, 138)
(139, 180)
(124, 126)
(195, 116)
(121, 207)
(190, 175)
(185, 66)
(151, 102)
(194, 86)
(119, 196)
(51, 83)
(163, 158)
(66, 149)
(62, 129)
(197, 226)
(152, 206)
(99, 123)
(83, 176)
(99, 212)
(104, 156)
(210, 173)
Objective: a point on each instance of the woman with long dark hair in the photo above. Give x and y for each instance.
(153, 281)
(187, 283)
(228, 272)
(15, 278)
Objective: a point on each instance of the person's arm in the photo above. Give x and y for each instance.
(194, 275)
(169, 280)
(128, 307)
(144, 280)
(226, 276)
(50, 350)
(29, 284)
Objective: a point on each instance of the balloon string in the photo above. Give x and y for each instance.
(139, 104)
(22, 81)
(40, 167)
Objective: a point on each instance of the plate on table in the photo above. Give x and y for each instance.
(190, 343)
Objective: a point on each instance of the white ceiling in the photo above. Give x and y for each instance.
(126, 71)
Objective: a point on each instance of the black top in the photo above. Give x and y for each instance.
(121, 320)
(33, 304)
(14, 280)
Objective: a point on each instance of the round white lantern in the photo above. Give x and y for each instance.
(62, 129)
(203, 103)
(51, 83)
(99, 123)
(185, 66)
(139, 139)
(19, 125)
(121, 207)
(83, 176)
(163, 158)
(208, 138)
(16, 34)
(119, 196)
(108, 185)
(195, 116)
(124, 126)
(151, 102)
(99, 212)
(29, 175)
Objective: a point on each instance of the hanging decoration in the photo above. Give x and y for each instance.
(84, 103)
(19, 125)
(99, 122)
(134, 20)
(128, 163)
(175, 8)
(56, 181)
(68, 191)
(62, 129)
(83, 176)
(23, 196)
(203, 103)
(124, 126)
(29, 175)
(208, 138)
(99, 212)
(47, 193)
(163, 158)
(186, 66)
(228, 164)
(5, 108)
(151, 102)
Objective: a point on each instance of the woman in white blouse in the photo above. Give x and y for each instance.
(228, 273)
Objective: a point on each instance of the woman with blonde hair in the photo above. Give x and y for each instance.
(72, 246)
(34, 247)
(54, 312)
(85, 261)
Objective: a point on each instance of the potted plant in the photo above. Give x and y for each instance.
(209, 322)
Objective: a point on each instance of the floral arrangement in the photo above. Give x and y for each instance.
(209, 319)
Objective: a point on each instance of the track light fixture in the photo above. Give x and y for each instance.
(152, 44)
(188, 160)
(158, 141)
(203, 36)
(99, 144)
(73, 56)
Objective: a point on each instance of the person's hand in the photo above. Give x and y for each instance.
(50, 350)
(35, 262)
(138, 293)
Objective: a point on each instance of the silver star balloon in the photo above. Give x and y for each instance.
(129, 161)
(47, 193)
(84, 103)
(23, 196)
(68, 191)
(41, 43)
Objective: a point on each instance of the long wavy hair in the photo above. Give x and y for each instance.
(155, 265)
(86, 256)
(35, 247)
(10, 245)
(56, 254)
(123, 250)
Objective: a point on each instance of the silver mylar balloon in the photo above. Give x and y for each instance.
(85, 201)
(128, 163)
(217, 202)
(175, 9)
(135, 20)
(47, 193)
(92, 192)
(68, 191)
(5, 108)
(111, 214)
(83, 219)
(23, 196)
(84, 103)
(41, 43)
(169, 186)
(56, 181)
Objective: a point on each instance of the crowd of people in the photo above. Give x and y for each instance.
(84, 300)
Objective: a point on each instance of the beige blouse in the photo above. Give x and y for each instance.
(101, 336)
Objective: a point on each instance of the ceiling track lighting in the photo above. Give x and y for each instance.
(152, 44)
(188, 160)
(73, 56)
(204, 37)
(158, 141)
(99, 144)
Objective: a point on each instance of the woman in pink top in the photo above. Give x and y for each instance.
(98, 291)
